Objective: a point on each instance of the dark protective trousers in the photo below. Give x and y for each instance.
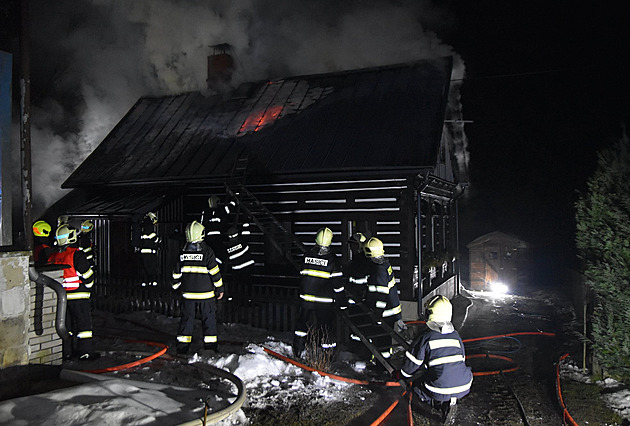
(79, 324)
(325, 316)
(149, 272)
(208, 319)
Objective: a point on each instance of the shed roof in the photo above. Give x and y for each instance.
(380, 118)
(498, 237)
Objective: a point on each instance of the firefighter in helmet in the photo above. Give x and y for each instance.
(357, 272)
(382, 293)
(215, 219)
(199, 277)
(436, 363)
(321, 291)
(85, 240)
(149, 245)
(78, 280)
(42, 241)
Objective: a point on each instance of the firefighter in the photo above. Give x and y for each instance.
(357, 272)
(237, 251)
(321, 288)
(42, 241)
(85, 241)
(437, 356)
(149, 245)
(199, 276)
(382, 293)
(215, 220)
(78, 280)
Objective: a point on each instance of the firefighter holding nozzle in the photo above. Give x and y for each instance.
(436, 363)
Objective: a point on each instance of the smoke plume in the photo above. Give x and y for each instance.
(92, 59)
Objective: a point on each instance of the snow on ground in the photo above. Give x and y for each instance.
(137, 397)
(616, 397)
(167, 391)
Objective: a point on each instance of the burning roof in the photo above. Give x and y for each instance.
(379, 118)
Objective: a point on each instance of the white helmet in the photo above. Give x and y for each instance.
(66, 235)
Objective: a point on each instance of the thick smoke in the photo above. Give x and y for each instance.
(92, 59)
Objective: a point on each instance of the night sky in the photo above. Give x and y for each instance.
(545, 86)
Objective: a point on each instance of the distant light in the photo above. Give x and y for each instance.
(498, 287)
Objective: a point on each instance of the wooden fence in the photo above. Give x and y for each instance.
(271, 307)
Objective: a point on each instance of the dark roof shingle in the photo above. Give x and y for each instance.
(369, 119)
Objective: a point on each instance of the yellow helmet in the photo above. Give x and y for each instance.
(41, 229)
(373, 248)
(439, 309)
(324, 237)
(357, 237)
(66, 235)
(87, 226)
(153, 217)
(194, 232)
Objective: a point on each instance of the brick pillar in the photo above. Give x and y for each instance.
(46, 347)
(14, 308)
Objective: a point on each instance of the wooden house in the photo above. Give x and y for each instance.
(357, 151)
(499, 258)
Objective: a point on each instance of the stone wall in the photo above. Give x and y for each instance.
(14, 309)
(44, 342)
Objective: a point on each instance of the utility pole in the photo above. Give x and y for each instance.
(25, 126)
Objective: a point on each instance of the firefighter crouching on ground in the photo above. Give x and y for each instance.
(198, 275)
(437, 355)
(78, 279)
(321, 291)
(382, 293)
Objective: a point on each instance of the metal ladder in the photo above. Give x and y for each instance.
(284, 241)
(364, 322)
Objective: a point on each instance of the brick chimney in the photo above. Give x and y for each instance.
(220, 66)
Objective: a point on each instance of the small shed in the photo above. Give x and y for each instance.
(499, 258)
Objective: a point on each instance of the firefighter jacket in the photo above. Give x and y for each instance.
(216, 220)
(382, 292)
(149, 239)
(237, 251)
(321, 278)
(86, 246)
(439, 352)
(358, 274)
(197, 273)
(78, 279)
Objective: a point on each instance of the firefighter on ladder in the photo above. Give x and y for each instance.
(321, 292)
(382, 294)
(199, 276)
(78, 280)
(438, 360)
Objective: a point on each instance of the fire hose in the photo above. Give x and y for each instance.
(385, 414)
